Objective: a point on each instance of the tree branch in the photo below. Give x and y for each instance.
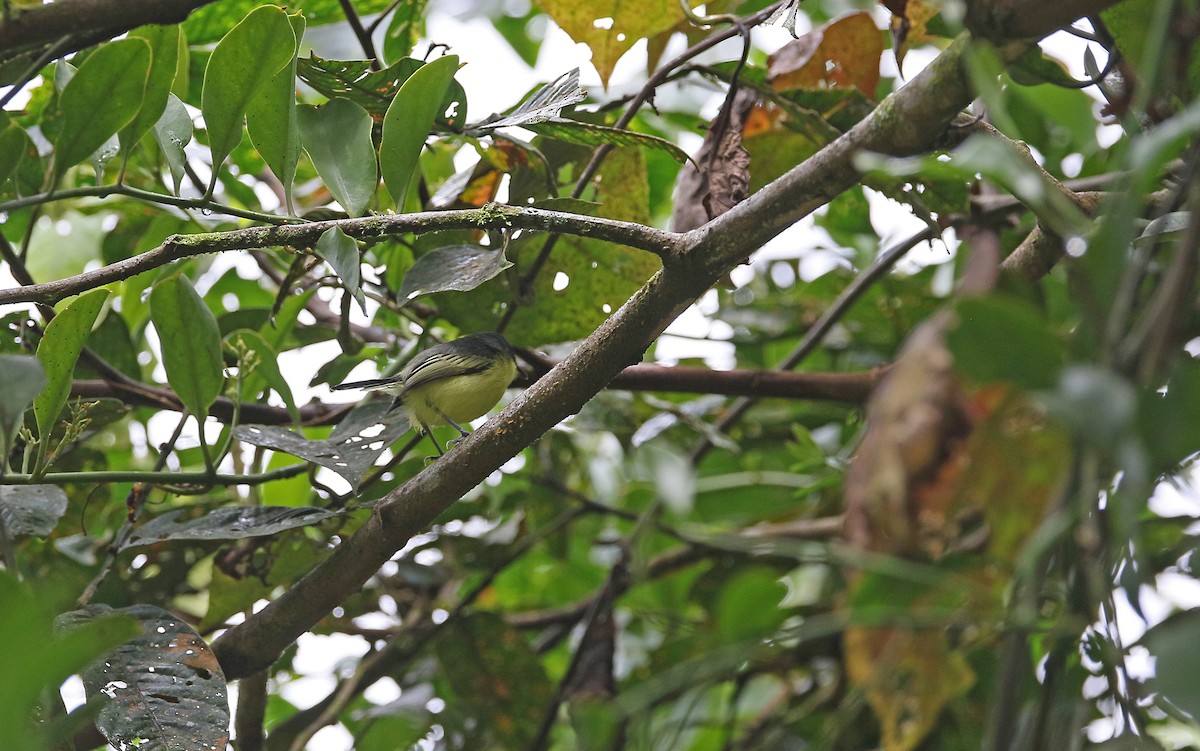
(492, 216)
(908, 122)
(32, 26)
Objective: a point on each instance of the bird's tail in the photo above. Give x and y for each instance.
(374, 383)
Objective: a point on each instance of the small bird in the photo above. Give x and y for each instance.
(449, 384)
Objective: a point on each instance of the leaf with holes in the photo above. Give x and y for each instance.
(350, 451)
(164, 687)
(544, 104)
(610, 27)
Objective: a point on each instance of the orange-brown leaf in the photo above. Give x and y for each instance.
(842, 53)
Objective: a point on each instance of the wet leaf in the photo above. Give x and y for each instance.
(457, 267)
(226, 524)
(31, 509)
(352, 448)
(102, 97)
(164, 688)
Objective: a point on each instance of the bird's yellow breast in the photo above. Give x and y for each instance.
(462, 398)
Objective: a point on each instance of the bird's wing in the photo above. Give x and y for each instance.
(373, 383)
(441, 365)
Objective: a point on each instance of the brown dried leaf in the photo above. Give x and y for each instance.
(916, 421)
(723, 176)
(842, 53)
(910, 20)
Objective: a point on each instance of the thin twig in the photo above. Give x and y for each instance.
(155, 477)
(363, 36)
(815, 335)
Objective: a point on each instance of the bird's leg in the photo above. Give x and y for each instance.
(427, 431)
(461, 433)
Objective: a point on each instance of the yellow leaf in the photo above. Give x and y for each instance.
(907, 677)
(611, 27)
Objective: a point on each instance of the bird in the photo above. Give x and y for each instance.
(450, 383)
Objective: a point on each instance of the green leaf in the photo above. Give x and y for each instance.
(271, 121)
(1034, 67)
(340, 251)
(14, 143)
(23, 377)
(37, 657)
(266, 368)
(1173, 643)
(190, 342)
(459, 268)
(590, 134)
(405, 28)
(373, 90)
(207, 24)
(496, 675)
(748, 605)
(997, 339)
(164, 58)
(100, 99)
(58, 351)
(583, 281)
(337, 137)
(1167, 421)
(244, 61)
(408, 122)
(173, 132)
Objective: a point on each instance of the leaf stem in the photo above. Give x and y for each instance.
(156, 477)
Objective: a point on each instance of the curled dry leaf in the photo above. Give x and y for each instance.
(722, 178)
(946, 470)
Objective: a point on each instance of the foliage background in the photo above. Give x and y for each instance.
(962, 554)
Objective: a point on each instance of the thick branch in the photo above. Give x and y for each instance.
(663, 244)
(1022, 19)
(907, 122)
(32, 26)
